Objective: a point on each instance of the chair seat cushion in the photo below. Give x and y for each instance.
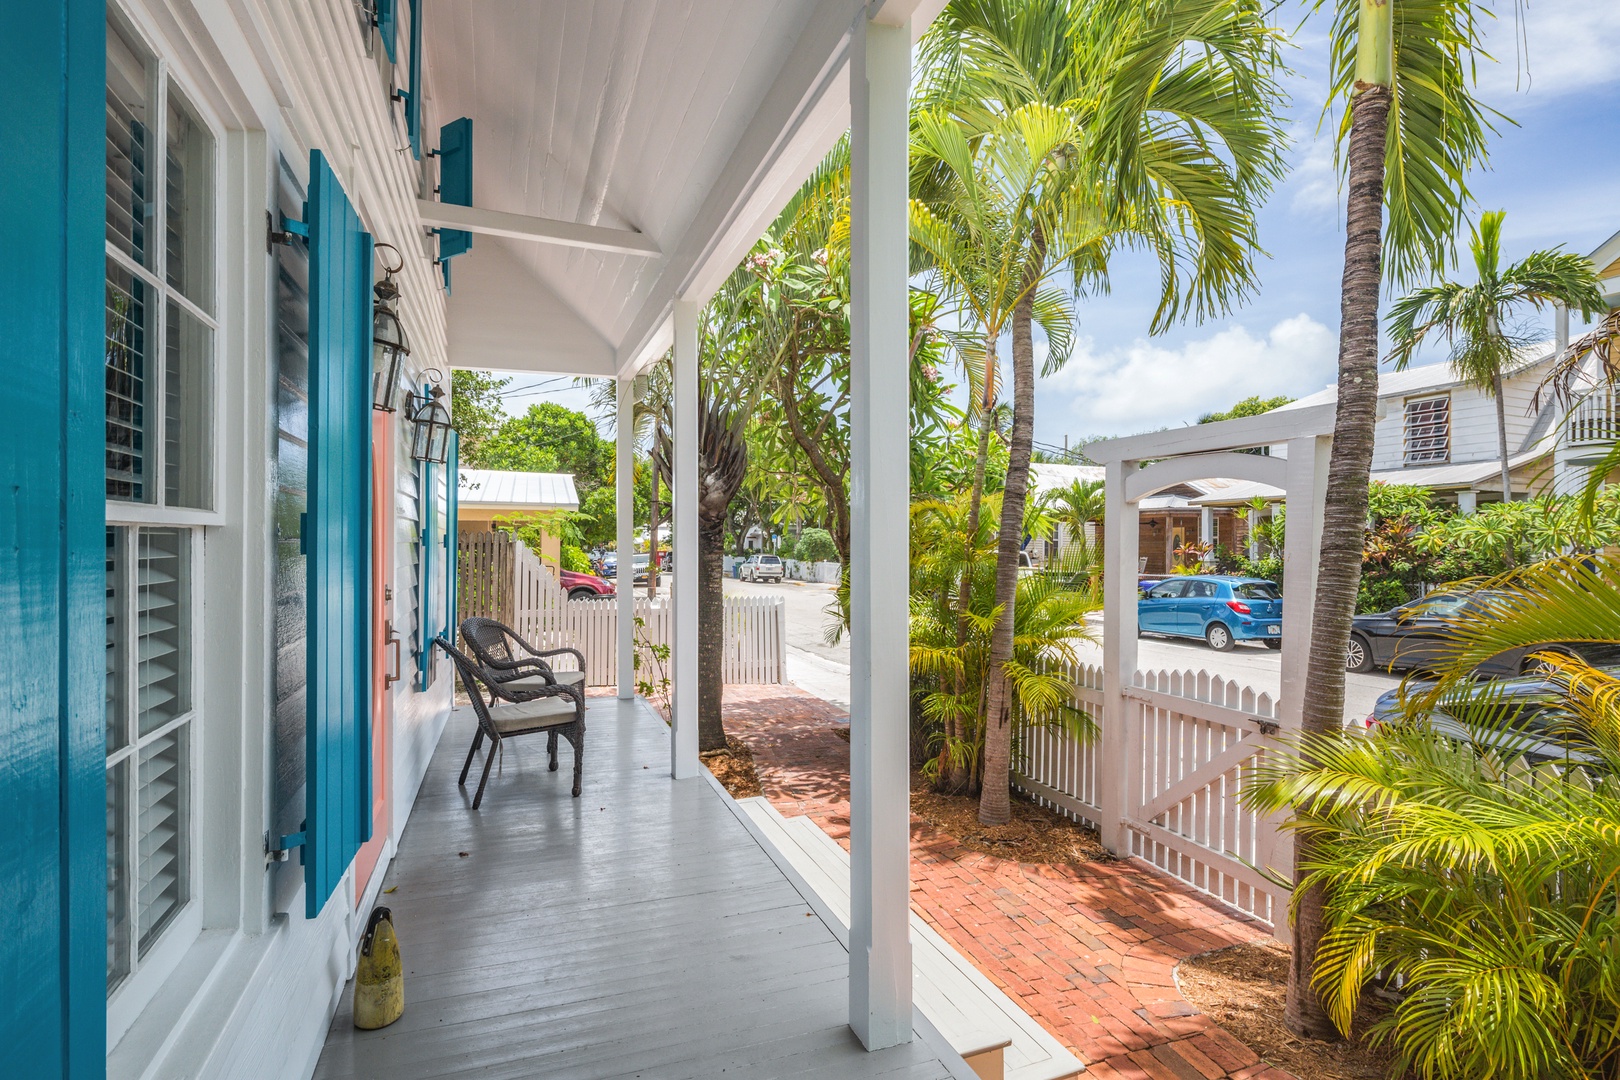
(533, 715)
(538, 682)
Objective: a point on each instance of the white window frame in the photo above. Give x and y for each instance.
(1419, 457)
(148, 973)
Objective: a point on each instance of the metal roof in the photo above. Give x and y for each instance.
(486, 488)
(1427, 377)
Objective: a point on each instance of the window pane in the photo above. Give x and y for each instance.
(127, 374)
(117, 707)
(129, 195)
(161, 833)
(189, 204)
(163, 639)
(117, 874)
(187, 395)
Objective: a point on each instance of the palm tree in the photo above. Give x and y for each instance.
(1167, 140)
(1473, 318)
(1411, 133)
(1078, 505)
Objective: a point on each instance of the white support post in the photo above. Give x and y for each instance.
(683, 495)
(1254, 534)
(1307, 483)
(880, 1001)
(625, 491)
(1122, 525)
(1467, 502)
(1206, 532)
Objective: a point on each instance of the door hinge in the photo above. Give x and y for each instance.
(290, 227)
(279, 848)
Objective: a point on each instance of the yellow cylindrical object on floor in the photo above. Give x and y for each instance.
(379, 979)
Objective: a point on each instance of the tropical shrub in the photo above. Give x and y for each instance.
(1479, 888)
(816, 545)
(574, 558)
(950, 647)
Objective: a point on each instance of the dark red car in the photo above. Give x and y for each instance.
(585, 586)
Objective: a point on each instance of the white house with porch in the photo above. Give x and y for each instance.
(249, 239)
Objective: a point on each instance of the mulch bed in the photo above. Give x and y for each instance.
(1243, 988)
(1035, 834)
(734, 768)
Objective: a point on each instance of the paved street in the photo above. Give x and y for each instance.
(823, 669)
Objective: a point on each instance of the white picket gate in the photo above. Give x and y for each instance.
(501, 578)
(1186, 747)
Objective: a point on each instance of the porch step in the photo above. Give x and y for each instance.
(991, 1032)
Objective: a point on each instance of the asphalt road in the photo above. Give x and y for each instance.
(823, 669)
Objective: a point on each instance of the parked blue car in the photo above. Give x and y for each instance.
(1220, 609)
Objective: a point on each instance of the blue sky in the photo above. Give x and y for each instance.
(1557, 174)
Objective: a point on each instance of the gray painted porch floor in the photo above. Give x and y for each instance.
(637, 931)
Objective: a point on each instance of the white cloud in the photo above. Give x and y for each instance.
(1314, 180)
(1147, 386)
(1560, 47)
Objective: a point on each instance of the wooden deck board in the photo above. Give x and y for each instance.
(637, 931)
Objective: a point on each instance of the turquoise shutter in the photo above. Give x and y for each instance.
(455, 182)
(388, 26)
(452, 483)
(53, 799)
(413, 92)
(337, 538)
(427, 596)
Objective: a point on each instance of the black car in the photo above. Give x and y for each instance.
(1418, 635)
(1524, 717)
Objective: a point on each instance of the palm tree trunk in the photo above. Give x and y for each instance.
(994, 803)
(1509, 556)
(1345, 516)
(711, 633)
(652, 540)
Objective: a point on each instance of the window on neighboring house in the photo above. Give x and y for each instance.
(1427, 438)
(159, 394)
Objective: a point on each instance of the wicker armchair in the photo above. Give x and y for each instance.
(515, 664)
(553, 708)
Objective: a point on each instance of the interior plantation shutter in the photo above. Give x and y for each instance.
(337, 538)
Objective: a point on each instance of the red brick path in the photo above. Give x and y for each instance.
(1090, 950)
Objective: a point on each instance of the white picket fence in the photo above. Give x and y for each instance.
(501, 578)
(1187, 745)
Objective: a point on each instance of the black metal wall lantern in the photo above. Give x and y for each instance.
(389, 345)
(431, 428)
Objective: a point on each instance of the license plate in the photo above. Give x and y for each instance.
(1273, 629)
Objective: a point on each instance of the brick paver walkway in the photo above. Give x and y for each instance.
(1089, 950)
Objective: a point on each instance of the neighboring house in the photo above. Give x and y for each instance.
(484, 495)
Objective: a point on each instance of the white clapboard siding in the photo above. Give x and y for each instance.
(501, 578)
(1191, 741)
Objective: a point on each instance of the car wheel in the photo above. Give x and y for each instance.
(1219, 637)
(580, 594)
(1273, 642)
(1358, 654)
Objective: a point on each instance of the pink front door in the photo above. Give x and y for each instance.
(385, 658)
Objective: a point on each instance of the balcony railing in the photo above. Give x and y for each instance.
(1594, 419)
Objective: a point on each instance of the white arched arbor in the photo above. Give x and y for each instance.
(1141, 465)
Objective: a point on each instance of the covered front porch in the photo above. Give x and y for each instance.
(639, 930)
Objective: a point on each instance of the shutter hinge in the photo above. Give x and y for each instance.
(290, 227)
(279, 848)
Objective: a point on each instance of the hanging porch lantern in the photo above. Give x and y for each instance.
(430, 421)
(389, 345)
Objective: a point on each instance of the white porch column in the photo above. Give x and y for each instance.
(1206, 530)
(683, 496)
(1122, 526)
(880, 493)
(625, 491)
(1254, 535)
(1467, 502)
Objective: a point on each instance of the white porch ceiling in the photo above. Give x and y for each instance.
(688, 121)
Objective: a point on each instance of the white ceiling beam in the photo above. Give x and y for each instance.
(536, 229)
(896, 12)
